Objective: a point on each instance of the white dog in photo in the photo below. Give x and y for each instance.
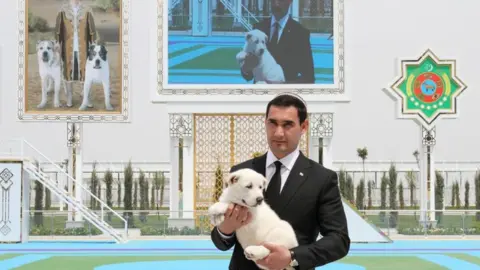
(267, 69)
(97, 70)
(50, 70)
(245, 187)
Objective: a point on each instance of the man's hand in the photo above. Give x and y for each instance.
(250, 62)
(235, 217)
(278, 259)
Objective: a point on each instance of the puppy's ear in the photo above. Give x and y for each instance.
(233, 179)
(103, 49)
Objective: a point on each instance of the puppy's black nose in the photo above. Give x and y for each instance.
(97, 62)
(259, 200)
(262, 51)
(45, 54)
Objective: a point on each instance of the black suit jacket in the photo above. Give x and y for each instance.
(293, 52)
(312, 204)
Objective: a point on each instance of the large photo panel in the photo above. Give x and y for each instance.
(214, 46)
(73, 60)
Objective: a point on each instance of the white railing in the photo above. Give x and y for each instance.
(23, 154)
(236, 14)
(406, 224)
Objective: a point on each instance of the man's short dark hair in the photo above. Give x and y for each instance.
(286, 100)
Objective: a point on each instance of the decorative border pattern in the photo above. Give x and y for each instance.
(58, 117)
(73, 134)
(339, 89)
(181, 125)
(429, 136)
(321, 125)
(5, 185)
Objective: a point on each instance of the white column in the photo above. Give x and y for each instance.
(188, 178)
(25, 207)
(432, 185)
(190, 11)
(327, 153)
(294, 9)
(61, 184)
(173, 183)
(70, 182)
(313, 148)
(79, 171)
(423, 177)
(238, 10)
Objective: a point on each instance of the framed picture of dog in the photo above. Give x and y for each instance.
(240, 47)
(73, 60)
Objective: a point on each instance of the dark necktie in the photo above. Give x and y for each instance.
(274, 39)
(273, 190)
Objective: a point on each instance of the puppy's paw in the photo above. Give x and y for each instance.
(217, 219)
(109, 108)
(42, 105)
(255, 253)
(83, 107)
(261, 82)
(218, 208)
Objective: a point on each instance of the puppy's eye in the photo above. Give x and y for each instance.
(249, 186)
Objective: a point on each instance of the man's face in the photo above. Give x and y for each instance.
(280, 8)
(284, 130)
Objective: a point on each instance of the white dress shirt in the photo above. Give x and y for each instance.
(282, 22)
(287, 165)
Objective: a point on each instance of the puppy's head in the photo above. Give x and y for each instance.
(256, 42)
(97, 55)
(45, 50)
(246, 187)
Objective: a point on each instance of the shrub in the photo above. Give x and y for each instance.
(360, 195)
(127, 198)
(467, 191)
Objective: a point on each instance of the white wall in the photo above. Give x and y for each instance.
(376, 33)
(145, 138)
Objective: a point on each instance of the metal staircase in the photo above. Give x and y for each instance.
(65, 196)
(246, 23)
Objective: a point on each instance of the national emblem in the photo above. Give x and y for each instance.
(427, 89)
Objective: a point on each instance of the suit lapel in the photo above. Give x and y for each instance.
(259, 164)
(286, 32)
(295, 180)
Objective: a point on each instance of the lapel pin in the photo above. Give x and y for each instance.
(301, 174)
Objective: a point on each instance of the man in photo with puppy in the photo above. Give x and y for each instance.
(301, 191)
(289, 44)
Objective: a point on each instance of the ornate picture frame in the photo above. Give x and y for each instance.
(47, 35)
(187, 61)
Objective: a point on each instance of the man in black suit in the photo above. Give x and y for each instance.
(289, 44)
(300, 191)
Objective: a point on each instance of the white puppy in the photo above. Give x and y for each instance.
(50, 70)
(245, 187)
(267, 68)
(97, 70)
